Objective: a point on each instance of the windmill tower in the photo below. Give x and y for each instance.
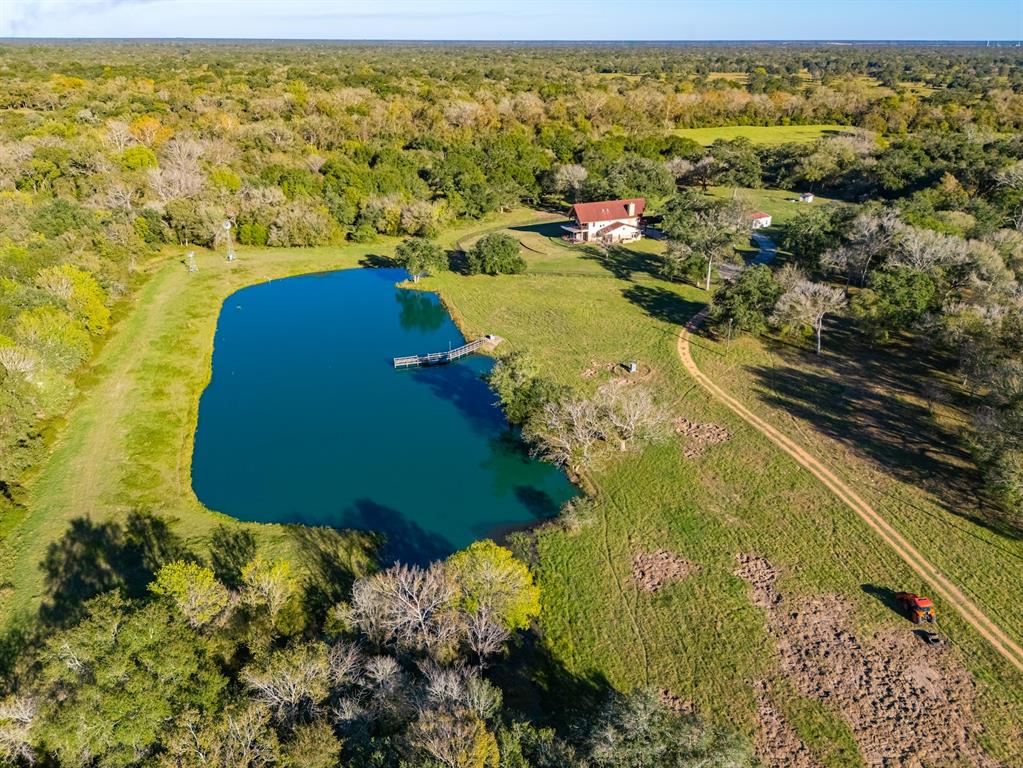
(230, 242)
(192, 266)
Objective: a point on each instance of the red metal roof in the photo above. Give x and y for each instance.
(758, 215)
(607, 210)
(613, 226)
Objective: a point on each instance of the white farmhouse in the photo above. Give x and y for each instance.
(606, 221)
(759, 219)
(806, 197)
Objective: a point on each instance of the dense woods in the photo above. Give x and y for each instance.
(113, 156)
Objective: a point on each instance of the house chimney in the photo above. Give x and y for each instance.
(630, 208)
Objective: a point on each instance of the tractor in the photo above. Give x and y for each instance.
(918, 609)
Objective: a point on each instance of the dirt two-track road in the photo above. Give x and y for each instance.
(940, 583)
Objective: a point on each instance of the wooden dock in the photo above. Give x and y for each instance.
(440, 358)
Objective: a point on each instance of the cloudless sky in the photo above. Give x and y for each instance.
(519, 19)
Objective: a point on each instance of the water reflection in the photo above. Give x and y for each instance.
(420, 311)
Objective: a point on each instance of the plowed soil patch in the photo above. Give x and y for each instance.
(906, 703)
(653, 570)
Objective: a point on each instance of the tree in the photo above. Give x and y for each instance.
(568, 180)
(496, 254)
(894, 300)
(700, 229)
(870, 237)
(80, 293)
(111, 697)
(806, 304)
(745, 303)
(194, 590)
(61, 340)
(519, 387)
(813, 231)
(419, 256)
(639, 730)
(411, 608)
(490, 578)
(293, 682)
(312, 745)
(565, 432)
(629, 414)
(269, 583)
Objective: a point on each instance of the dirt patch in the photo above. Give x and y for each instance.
(642, 372)
(905, 702)
(777, 744)
(596, 367)
(699, 437)
(761, 576)
(653, 570)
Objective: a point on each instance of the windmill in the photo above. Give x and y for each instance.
(230, 243)
(192, 266)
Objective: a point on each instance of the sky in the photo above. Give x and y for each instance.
(518, 19)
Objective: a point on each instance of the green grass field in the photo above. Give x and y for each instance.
(767, 136)
(782, 204)
(701, 639)
(127, 446)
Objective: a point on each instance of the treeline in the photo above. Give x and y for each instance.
(232, 662)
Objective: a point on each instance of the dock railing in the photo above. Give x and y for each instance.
(439, 358)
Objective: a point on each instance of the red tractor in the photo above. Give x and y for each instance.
(918, 609)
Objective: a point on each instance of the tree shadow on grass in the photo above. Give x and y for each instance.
(869, 401)
(92, 558)
(376, 261)
(332, 560)
(623, 262)
(544, 228)
(403, 540)
(231, 549)
(537, 685)
(662, 304)
(458, 262)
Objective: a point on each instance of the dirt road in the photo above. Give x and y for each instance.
(941, 585)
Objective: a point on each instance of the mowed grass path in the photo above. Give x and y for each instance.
(767, 136)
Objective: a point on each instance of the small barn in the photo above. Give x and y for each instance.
(759, 219)
(806, 197)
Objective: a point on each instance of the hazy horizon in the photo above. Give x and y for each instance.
(654, 21)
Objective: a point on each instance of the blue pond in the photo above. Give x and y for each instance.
(306, 421)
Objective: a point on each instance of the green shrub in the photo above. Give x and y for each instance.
(496, 254)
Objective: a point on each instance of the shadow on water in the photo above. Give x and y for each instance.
(662, 304)
(540, 504)
(92, 558)
(464, 388)
(403, 540)
(420, 311)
